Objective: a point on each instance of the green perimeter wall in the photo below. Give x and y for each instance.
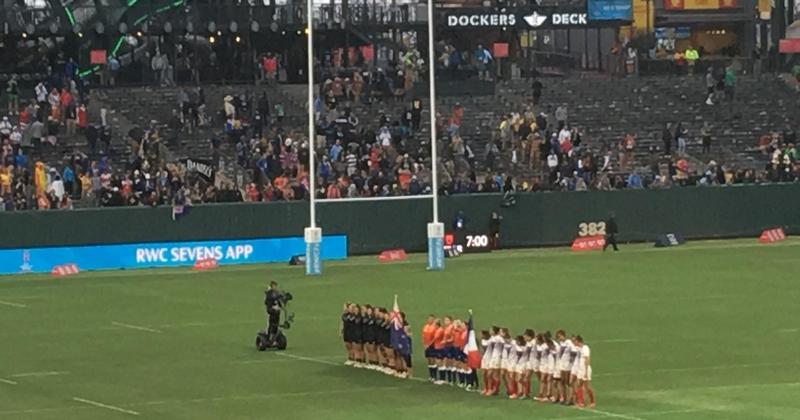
(372, 226)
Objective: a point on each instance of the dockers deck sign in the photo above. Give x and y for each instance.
(549, 18)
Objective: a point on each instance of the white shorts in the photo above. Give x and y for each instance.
(586, 374)
(485, 361)
(573, 370)
(535, 365)
(563, 364)
(520, 367)
(495, 362)
(557, 374)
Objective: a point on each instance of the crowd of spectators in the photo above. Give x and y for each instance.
(371, 141)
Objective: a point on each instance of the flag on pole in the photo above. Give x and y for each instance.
(471, 348)
(399, 338)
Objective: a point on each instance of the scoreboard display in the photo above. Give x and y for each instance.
(469, 242)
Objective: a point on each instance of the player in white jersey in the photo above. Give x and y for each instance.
(507, 363)
(486, 357)
(495, 361)
(573, 371)
(541, 362)
(584, 373)
(555, 374)
(518, 370)
(562, 363)
(549, 363)
(530, 342)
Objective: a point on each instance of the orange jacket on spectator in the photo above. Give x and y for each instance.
(40, 178)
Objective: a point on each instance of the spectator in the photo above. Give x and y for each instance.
(711, 83)
(483, 58)
(730, 83)
(12, 95)
(666, 138)
(705, 133)
(536, 87)
(681, 134)
(691, 56)
(561, 116)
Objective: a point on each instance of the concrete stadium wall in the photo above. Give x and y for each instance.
(537, 219)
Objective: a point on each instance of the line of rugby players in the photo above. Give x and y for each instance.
(444, 340)
(366, 331)
(562, 366)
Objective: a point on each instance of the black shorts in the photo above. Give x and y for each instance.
(369, 338)
(407, 359)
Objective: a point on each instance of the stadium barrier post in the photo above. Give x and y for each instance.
(436, 246)
(312, 234)
(435, 228)
(313, 237)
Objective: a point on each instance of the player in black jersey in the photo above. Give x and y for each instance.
(346, 332)
(358, 334)
(384, 331)
(370, 337)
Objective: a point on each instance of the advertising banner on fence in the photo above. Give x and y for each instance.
(165, 254)
(610, 10)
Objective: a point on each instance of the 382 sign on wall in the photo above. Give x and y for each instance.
(591, 229)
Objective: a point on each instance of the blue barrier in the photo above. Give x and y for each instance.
(165, 254)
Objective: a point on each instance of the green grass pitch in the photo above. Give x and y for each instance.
(709, 330)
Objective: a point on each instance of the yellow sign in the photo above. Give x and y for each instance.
(700, 4)
(641, 21)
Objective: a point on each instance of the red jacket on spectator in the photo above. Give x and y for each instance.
(66, 98)
(270, 64)
(83, 118)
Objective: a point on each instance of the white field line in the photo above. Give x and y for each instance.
(642, 413)
(135, 327)
(610, 414)
(701, 388)
(270, 360)
(13, 304)
(694, 369)
(789, 330)
(38, 374)
(7, 381)
(106, 406)
(261, 396)
(17, 413)
(617, 340)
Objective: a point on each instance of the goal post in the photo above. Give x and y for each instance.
(435, 229)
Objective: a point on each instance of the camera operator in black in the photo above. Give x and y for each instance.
(273, 299)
